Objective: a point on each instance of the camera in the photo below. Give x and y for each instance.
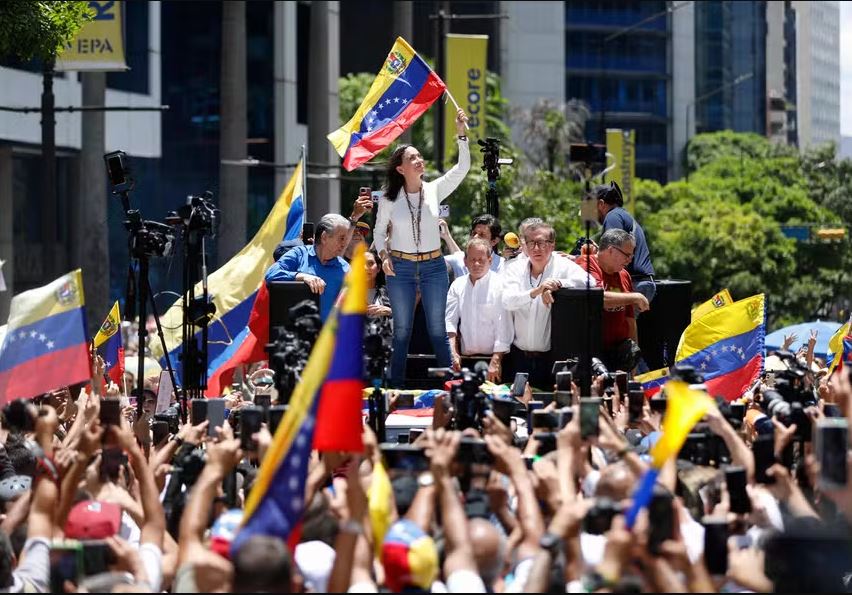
(789, 398)
(599, 518)
(600, 369)
(291, 345)
(491, 160)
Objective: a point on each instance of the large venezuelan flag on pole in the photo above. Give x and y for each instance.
(45, 346)
(726, 346)
(238, 290)
(403, 90)
(328, 396)
(840, 348)
(108, 344)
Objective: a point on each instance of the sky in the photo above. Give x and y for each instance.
(845, 68)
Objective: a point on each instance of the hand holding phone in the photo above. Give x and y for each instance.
(589, 415)
(520, 384)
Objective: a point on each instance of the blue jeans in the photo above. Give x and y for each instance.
(430, 277)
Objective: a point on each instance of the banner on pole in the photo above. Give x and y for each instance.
(100, 44)
(621, 144)
(465, 77)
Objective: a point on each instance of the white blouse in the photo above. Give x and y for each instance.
(398, 214)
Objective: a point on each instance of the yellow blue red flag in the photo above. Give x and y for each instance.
(653, 381)
(840, 348)
(45, 346)
(403, 90)
(275, 504)
(108, 343)
(723, 298)
(726, 346)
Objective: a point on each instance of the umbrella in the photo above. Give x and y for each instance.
(802, 331)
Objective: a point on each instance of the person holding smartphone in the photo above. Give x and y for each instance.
(411, 207)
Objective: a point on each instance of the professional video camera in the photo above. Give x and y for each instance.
(291, 345)
(378, 336)
(491, 162)
(199, 214)
(469, 403)
(789, 397)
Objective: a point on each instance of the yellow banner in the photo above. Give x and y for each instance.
(621, 144)
(100, 44)
(466, 63)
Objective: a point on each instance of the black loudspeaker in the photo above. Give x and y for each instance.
(660, 327)
(283, 295)
(575, 314)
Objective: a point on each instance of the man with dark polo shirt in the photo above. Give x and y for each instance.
(612, 215)
(621, 301)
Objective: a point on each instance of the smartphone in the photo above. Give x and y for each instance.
(215, 415)
(764, 457)
(97, 557)
(474, 451)
(633, 385)
(546, 420)
(635, 404)
(621, 381)
(66, 564)
(414, 434)
(716, 545)
(589, 413)
(660, 519)
(531, 407)
(364, 191)
(832, 444)
(444, 211)
(564, 395)
(658, 404)
(558, 367)
(110, 412)
(503, 409)
(264, 401)
(735, 483)
(276, 414)
(738, 411)
(160, 431)
(404, 457)
(546, 442)
(198, 412)
(251, 419)
(236, 387)
(520, 384)
(112, 459)
(308, 233)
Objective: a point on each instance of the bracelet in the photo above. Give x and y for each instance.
(352, 527)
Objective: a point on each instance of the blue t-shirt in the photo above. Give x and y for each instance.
(304, 259)
(618, 218)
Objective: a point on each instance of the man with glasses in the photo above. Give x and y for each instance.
(477, 323)
(621, 302)
(528, 294)
(612, 215)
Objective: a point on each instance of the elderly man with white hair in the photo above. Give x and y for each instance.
(320, 266)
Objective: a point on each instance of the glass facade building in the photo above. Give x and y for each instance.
(625, 80)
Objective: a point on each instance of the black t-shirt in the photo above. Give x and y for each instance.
(618, 218)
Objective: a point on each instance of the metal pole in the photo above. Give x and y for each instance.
(48, 157)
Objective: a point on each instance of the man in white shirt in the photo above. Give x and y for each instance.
(528, 287)
(477, 323)
(488, 228)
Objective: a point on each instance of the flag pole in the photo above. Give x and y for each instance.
(453, 99)
(304, 187)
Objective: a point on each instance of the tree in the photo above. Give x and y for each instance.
(547, 130)
(40, 29)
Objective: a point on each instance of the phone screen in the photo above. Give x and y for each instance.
(160, 431)
(216, 415)
(735, 482)
(660, 519)
(764, 458)
(250, 422)
(621, 381)
(589, 413)
(832, 444)
(520, 384)
(564, 380)
(65, 565)
(544, 419)
(198, 412)
(635, 404)
(405, 457)
(276, 414)
(110, 412)
(716, 545)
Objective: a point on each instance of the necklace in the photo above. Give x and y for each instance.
(415, 220)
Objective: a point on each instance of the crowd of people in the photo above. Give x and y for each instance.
(521, 490)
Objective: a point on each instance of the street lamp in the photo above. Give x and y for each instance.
(709, 94)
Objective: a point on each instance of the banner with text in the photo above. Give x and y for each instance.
(621, 144)
(100, 44)
(465, 77)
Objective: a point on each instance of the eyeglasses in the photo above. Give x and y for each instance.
(625, 254)
(540, 244)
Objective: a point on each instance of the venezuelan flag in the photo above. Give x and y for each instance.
(45, 346)
(726, 346)
(276, 501)
(684, 408)
(108, 343)
(723, 298)
(238, 290)
(403, 90)
(653, 381)
(840, 348)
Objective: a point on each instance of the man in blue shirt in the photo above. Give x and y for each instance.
(612, 215)
(320, 265)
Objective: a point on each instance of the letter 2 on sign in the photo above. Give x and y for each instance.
(103, 10)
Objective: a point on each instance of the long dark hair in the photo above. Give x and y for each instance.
(394, 181)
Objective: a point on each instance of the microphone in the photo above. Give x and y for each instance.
(512, 240)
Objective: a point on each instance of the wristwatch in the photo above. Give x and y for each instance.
(550, 542)
(462, 137)
(425, 479)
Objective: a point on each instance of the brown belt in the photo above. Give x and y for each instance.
(417, 256)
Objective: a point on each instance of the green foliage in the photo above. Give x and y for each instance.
(30, 29)
(708, 147)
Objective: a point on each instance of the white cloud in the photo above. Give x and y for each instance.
(845, 68)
